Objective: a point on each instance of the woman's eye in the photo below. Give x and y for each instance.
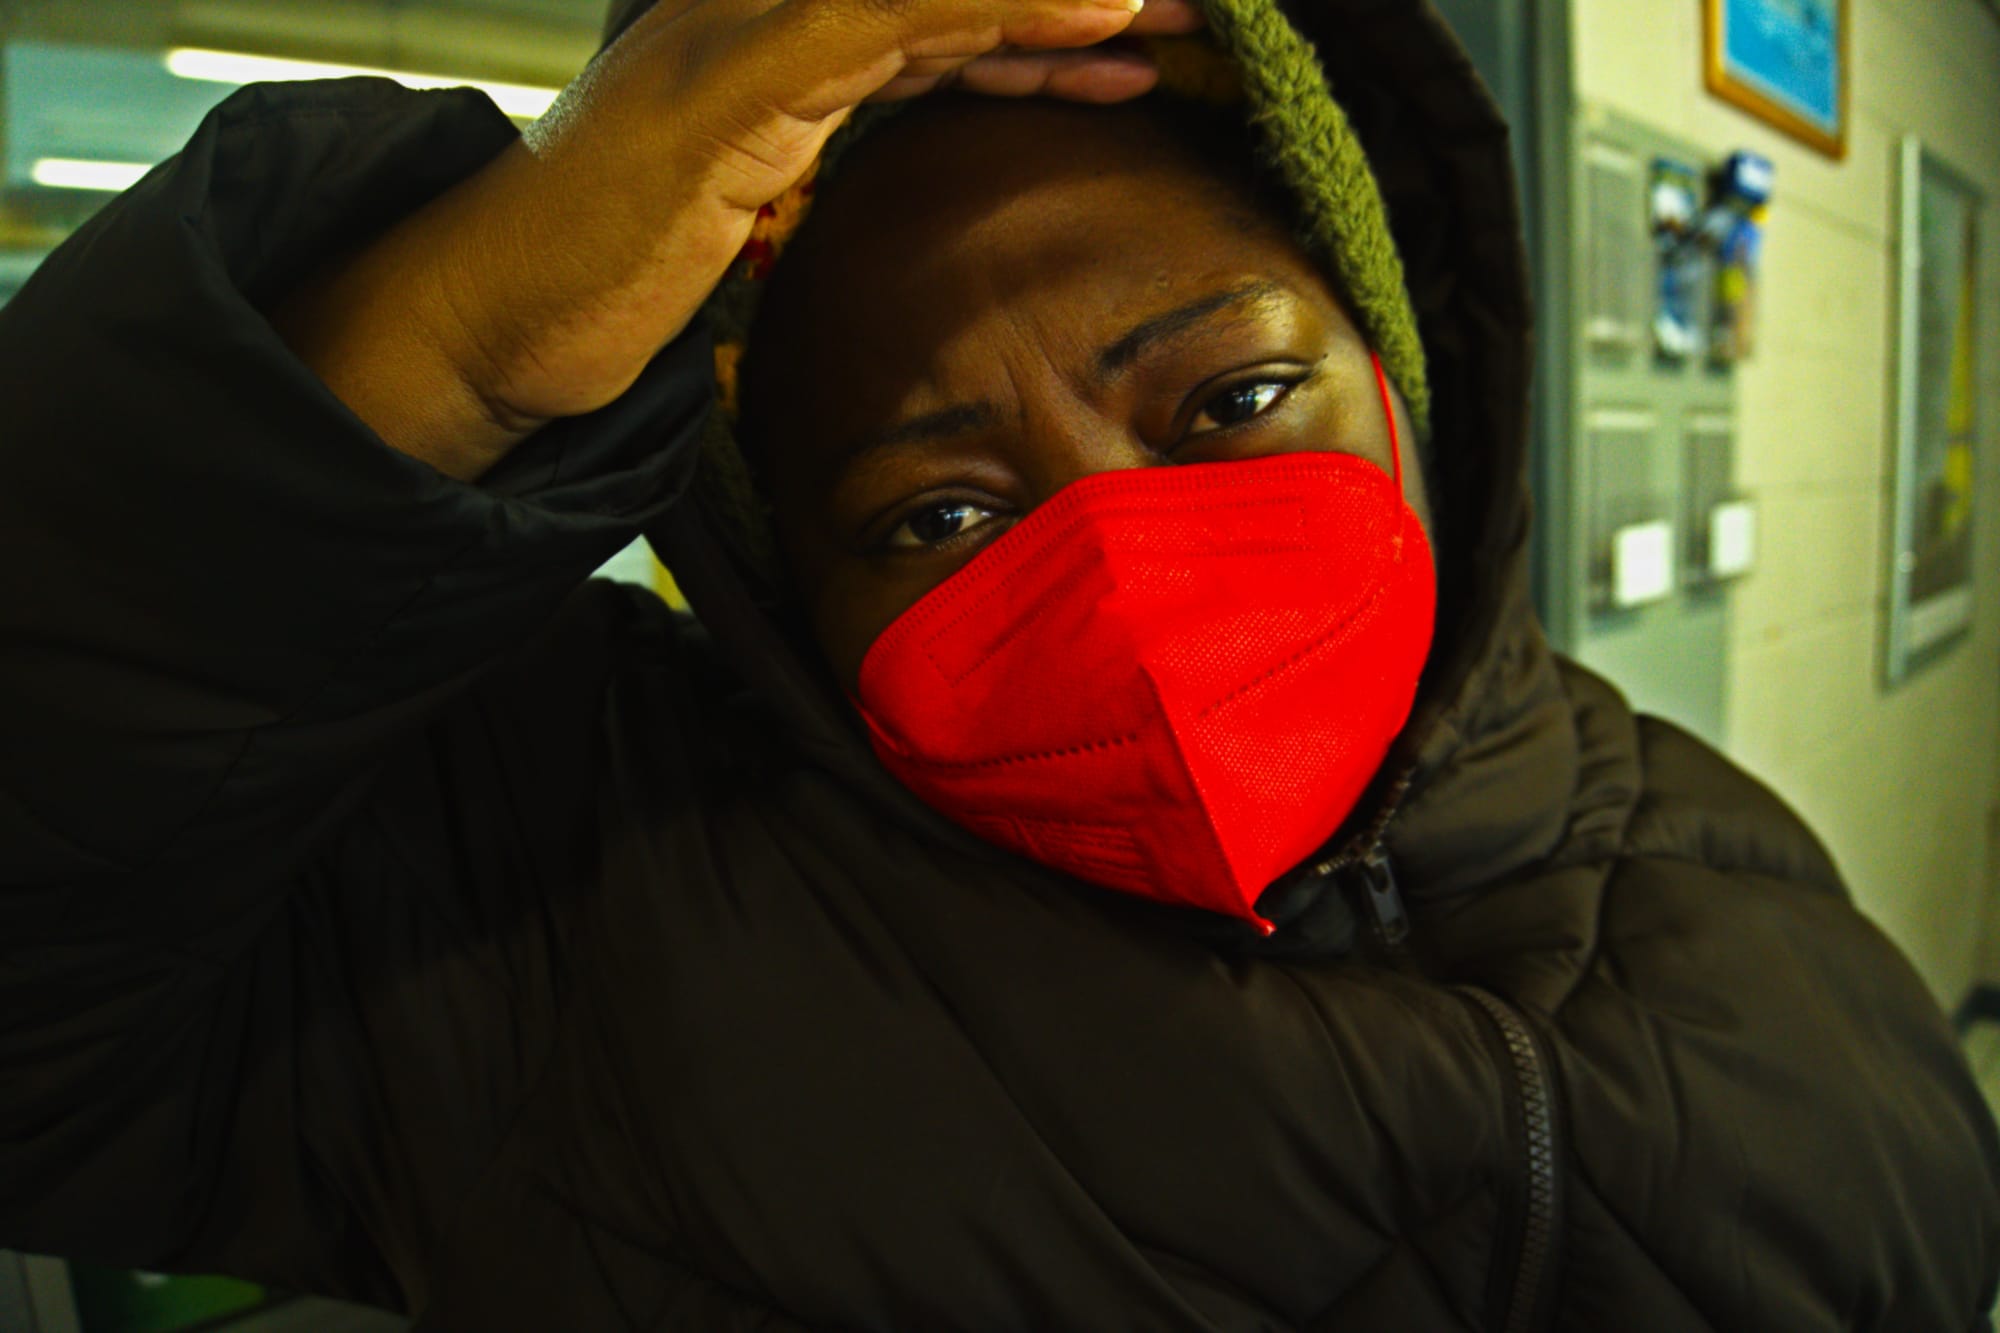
(938, 524)
(1236, 405)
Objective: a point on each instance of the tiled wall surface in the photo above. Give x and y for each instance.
(1901, 785)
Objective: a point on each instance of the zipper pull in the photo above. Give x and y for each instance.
(1385, 900)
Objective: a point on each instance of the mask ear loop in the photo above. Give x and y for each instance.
(1389, 410)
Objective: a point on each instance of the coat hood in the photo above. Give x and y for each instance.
(1440, 152)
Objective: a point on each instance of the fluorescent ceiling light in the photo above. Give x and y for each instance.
(516, 99)
(68, 173)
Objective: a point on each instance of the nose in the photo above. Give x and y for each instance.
(1062, 444)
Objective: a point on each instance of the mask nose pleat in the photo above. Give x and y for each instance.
(1289, 773)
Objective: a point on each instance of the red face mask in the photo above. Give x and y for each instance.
(1175, 681)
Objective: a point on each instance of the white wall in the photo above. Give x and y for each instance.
(1902, 786)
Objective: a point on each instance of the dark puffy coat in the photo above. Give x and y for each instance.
(388, 912)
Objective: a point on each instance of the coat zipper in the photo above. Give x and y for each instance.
(1365, 857)
(1530, 1293)
(1534, 1263)
(1385, 899)
(1379, 893)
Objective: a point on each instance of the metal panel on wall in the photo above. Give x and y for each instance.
(1657, 523)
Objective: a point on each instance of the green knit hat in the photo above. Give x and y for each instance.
(1249, 58)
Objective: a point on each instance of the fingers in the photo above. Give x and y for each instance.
(1091, 75)
(758, 84)
(1077, 76)
(1100, 73)
(1094, 74)
(1162, 18)
(831, 54)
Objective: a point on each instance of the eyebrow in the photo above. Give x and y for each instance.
(962, 419)
(1161, 328)
(965, 418)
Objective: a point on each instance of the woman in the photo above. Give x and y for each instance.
(948, 929)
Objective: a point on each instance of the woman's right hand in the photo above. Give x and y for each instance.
(541, 286)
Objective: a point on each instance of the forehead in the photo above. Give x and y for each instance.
(1047, 217)
(963, 173)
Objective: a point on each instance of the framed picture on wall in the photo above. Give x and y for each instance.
(1930, 563)
(1784, 62)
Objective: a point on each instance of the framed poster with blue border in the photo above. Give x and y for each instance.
(1785, 62)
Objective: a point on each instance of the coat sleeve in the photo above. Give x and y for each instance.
(1773, 1124)
(274, 697)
